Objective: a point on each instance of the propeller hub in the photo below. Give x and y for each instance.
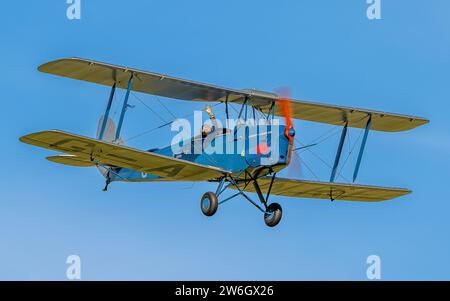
(291, 132)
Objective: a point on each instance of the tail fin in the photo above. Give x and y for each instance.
(109, 134)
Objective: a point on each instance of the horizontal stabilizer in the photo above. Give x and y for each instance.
(329, 191)
(71, 160)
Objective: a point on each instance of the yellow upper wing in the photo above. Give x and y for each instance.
(103, 153)
(323, 190)
(177, 88)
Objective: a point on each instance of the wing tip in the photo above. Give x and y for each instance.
(26, 138)
(23, 138)
(43, 67)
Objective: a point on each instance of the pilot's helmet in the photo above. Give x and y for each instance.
(206, 129)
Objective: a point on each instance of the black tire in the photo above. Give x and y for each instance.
(209, 203)
(273, 215)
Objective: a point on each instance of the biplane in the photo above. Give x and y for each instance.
(245, 172)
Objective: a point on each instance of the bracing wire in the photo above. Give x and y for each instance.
(350, 152)
(321, 160)
(161, 126)
(165, 107)
(148, 107)
(307, 166)
(328, 134)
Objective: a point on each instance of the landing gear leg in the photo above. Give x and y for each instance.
(108, 180)
(273, 213)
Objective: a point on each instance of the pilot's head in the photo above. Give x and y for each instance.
(206, 130)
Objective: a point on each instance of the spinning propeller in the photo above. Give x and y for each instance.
(286, 111)
(285, 106)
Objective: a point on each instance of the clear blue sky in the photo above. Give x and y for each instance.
(323, 50)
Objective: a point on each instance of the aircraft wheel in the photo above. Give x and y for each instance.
(209, 203)
(273, 215)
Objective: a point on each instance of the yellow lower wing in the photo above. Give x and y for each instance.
(104, 153)
(323, 190)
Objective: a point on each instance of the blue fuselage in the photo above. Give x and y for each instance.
(231, 151)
